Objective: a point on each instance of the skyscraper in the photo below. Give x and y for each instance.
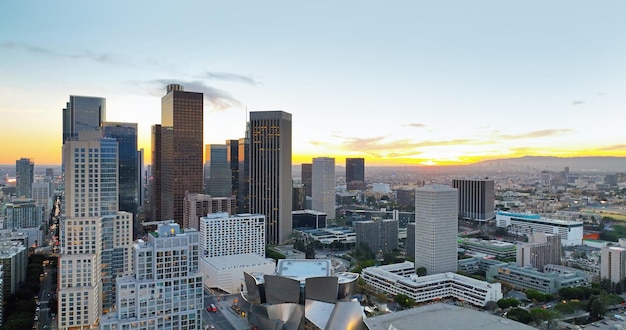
(181, 149)
(270, 172)
(128, 172)
(24, 169)
(154, 183)
(232, 156)
(355, 173)
(83, 113)
(380, 235)
(222, 234)
(476, 199)
(436, 227)
(324, 185)
(613, 263)
(243, 193)
(307, 179)
(217, 174)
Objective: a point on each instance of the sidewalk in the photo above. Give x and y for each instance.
(237, 321)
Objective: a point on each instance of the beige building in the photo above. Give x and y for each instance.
(613, 263)
(542, 249)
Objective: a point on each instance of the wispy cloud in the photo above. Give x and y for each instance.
(535, 134)
(104, 58)
(226, 76)
(578, 102)
(217, 98)
(615, 147)
(416, 125)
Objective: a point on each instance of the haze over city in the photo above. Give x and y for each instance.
(401, 83)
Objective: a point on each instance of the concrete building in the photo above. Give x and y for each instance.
(270, 172)
(13, 261)
(495, 248)
(529, 278)
(331, 234)
(222, 234)
(324, 186)
(165, 291)
(217, 171)
(226, 272)
(42, 194)
(410, 240)
(431, 287)
(542, 249)
(377, 234)
(198, 205)
(524, 224)
(181, 149)
(24, 170)
(436, 228)
(613, 263)
(476, 199)
(355, 174)
(23, 213)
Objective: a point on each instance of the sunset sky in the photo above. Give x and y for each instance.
(397, 82)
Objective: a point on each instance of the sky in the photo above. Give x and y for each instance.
(398, 83)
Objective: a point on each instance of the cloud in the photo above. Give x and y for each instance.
(217, 98)
(104, 58)
(230, 77)
(578, 102)
(615, 147)
(416, 125)
(535, 134)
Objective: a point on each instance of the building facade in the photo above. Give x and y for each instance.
(83, 113)
(542, 249)
(378, 234)
(199, 205)
(217, 175)
(25, 175)
(181, 149)
(165, 291)
(324, 185)
(307, 179)
(523, 224)
(613, 263)
(436, 228)
(222, 234)
(270, 172)
(476, 199)
(355, 174)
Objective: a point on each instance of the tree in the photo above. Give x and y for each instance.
(597, 307)
(539, 315)
(310, 251)
(491, 305)
(519, 315)
(421, 271)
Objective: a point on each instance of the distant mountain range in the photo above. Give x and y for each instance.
(549, 163)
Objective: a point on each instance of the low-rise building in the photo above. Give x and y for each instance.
(530, 278)
(571, 232)
(496, 248)
(226, 272)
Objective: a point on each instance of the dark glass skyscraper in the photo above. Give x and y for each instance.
(181, 149)
(154, 182)
(270, 172)
(24, 170)
(307, 179)
(83, 113)
(128, 172)
(243, 195)
(232, 156)
(217, 175)
(355, 173)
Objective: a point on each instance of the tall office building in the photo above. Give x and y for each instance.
(222, 234)
(83, 113)
(613, 263)
(218, 179)
(270, 172)
(24, 170)
(232, 156)
(243, 193)
(380, 235)
(181, 149)
(165, 290)
(154, 182)
(323, 178)
(436, 228)
(476, 199)
(355, 174)
(307, 179)
(128, 165)
(199, 205)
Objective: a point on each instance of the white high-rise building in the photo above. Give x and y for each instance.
(323, 182)
(165, 291)
(436, 228)
(95, 238)
(222, 234)
(613, 263)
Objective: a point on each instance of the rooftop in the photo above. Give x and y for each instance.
(301, 269)
(237, 261)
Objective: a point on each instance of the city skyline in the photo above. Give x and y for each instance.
(403, 84)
